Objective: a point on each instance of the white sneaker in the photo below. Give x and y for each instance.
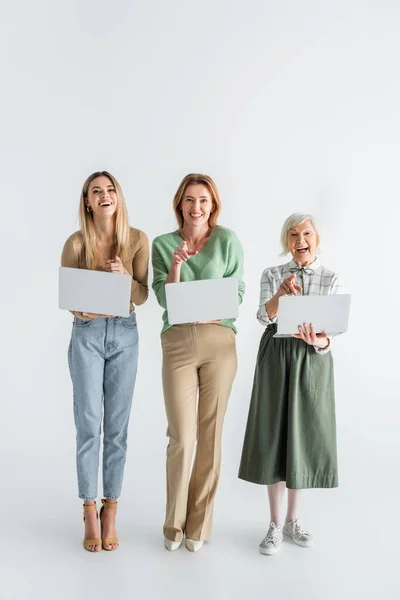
(194, 545)
(299, 535)
(169, 545)
(272, 542)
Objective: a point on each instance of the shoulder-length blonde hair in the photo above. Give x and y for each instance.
(122, 234)
(197, 178)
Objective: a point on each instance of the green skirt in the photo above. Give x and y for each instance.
(291, 427)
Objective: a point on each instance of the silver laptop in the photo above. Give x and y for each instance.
(202, 300)
(98, 292)
(329, 314)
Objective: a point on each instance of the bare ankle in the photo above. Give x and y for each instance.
(290, 518)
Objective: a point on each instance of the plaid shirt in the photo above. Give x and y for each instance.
(313, 280)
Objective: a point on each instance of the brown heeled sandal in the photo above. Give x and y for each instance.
(88, 543)
(107, 541)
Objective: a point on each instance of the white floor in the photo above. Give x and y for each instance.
(355, 554)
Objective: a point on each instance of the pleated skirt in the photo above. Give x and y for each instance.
(291, 427)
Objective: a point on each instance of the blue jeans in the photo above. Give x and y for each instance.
(103, 357)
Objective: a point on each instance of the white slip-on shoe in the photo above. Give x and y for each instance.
(271, 544)
(171, 546)
(194, 545)
(299, 535)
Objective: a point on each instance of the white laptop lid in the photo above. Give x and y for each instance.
(98, 292)
(329, 314)
(203, 300)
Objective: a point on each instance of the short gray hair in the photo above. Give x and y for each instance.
(292, 221)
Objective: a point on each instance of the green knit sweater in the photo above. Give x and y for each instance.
(222, 256)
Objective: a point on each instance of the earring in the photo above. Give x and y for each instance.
(88, 208)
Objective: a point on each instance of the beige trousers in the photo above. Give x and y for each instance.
(199, 362)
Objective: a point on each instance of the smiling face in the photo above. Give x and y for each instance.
(302, 243)
(196, 205)
(102, 197)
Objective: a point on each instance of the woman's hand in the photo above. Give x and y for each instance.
(182, 254)
(115, 266)
(92, 316)
(179, 256)
(308, 335)
(289, 287)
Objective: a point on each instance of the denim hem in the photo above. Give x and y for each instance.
(116, 496)
(82, 497)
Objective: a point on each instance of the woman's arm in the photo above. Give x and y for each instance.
(269, 296)
(160, 274)
(235, 264)
(179, 256)
(271, 307)
(140, 272)
(268, 306)
(287, 288)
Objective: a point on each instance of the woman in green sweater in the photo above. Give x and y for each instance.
(199, 360)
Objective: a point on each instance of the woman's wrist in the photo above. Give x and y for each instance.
(271, 308)
(175, 268)
(174, 274)
(322, 343)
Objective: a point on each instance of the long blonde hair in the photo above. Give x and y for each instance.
(122, 234)
(197, 178)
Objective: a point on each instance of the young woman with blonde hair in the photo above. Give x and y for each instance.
(103, 352)
(199, 360)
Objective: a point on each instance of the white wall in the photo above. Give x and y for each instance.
(289, 106)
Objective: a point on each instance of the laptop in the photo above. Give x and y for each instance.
(202, 300)
(329, 314)
(98, 292)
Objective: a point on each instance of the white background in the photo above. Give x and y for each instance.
(289, 106)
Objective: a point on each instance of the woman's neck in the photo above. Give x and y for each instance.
(306, 263)
(105, 230)
(195, 235)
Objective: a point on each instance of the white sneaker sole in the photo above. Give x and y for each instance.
(302, 544)
(269, 551)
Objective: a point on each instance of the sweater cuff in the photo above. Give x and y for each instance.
(323, 351)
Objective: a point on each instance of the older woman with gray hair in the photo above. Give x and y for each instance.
(290, 438)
